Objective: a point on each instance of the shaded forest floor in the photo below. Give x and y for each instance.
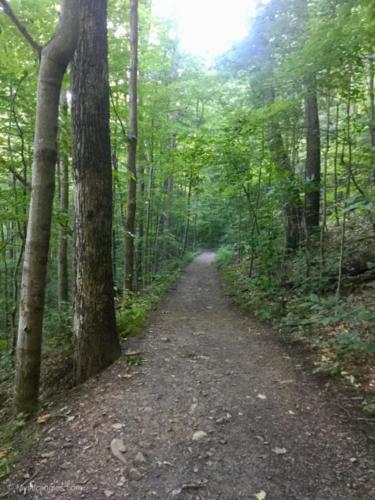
(209, 406)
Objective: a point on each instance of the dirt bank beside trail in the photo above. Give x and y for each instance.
(217, 410)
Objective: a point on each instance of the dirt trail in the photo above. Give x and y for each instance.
(268, 425)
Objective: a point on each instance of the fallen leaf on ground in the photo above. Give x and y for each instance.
(42, 419)
(279, 451)
(199, 435)
(117, 427)
(261, 495)
(193, 407)
(117, 449)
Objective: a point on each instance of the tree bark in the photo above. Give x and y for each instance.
(335, 171)
(132, 150)
(167, 193)
(55, 57)
(312, 166)
(149, 214)
(292, 207)
(323, 227)
(188, 216)
(94, 327)
(372, 105)
(62, 264)
(141, 223)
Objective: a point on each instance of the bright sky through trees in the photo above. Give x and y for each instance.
(208, 27)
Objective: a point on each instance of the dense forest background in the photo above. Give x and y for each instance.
(267, 156)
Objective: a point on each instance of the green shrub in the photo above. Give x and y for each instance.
(131, 318)
(349, 343)
(4, 345)
(224, 255)
(7, 434)
(369, 407)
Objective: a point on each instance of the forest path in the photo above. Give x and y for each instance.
(269, 427)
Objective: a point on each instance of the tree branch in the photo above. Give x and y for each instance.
(21, 28)
(17, 175)
(117, 113)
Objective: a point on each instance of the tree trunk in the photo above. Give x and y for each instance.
(55, 57)
(188, 216)
(96, 340)
(167, 192)
(62, 271)
(335, 172)
(323, 227)
(141, 219)
(149, 212)
(132, 149)
(292, 207)
(372, 105)
(312, 167)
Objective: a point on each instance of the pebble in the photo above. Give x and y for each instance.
(134, 474)
(199, 435)
(224, 419)
(139, 458)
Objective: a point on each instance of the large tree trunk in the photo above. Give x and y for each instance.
(149, 214)
(96, 340)
(372, 104)
(132, 149)
(55, 57)
(141, 224)
(292, 207)
(312, 168)
(62, 264)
